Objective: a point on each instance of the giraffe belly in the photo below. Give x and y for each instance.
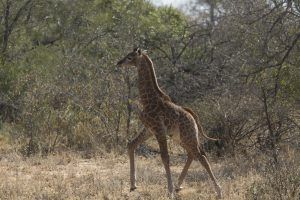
(175, 135)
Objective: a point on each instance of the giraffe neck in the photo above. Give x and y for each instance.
(147, 83)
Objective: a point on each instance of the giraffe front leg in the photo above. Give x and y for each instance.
(143, 136)
(162, 141)
(203, 160)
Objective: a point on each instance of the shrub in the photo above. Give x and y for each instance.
(280, 182)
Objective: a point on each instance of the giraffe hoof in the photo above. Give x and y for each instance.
(133, 188)
(177, 189)
(220, 196)
(171, 196)
(219, 192)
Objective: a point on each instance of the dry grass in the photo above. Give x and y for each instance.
(69, 176)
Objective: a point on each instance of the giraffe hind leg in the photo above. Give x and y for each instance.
(200, 155)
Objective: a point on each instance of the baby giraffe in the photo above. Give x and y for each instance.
(161, 118)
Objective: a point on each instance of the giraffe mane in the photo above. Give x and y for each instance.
(154, 79)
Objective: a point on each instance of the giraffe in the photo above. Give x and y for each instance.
(161, 118)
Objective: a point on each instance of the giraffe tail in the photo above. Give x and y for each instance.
(198, 124)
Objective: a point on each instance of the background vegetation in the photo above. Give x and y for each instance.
(235, 62)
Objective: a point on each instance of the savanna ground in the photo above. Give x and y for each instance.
(74, 175)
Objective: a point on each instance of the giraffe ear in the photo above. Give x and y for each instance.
(139, 51)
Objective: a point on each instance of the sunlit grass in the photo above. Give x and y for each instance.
(69, 176)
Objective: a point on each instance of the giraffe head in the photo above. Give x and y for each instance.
(131, 58)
